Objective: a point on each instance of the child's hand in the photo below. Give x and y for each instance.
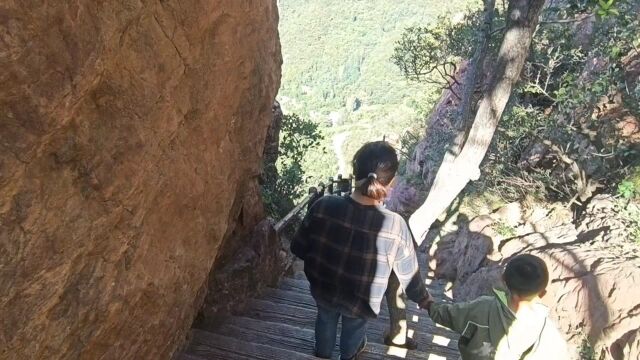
(426, 303)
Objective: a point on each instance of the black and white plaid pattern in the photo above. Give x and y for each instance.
(349, 251)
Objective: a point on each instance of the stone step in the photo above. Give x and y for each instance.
(210, 346)
(304, 299)
(184, 356)
(425, 332)
(435, 287)
(293, 284)
(302, 340)
(280, 325)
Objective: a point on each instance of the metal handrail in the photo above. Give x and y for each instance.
(313, 195)
(339, 186)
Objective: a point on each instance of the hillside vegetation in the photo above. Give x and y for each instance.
(532, 147)
(337, 72)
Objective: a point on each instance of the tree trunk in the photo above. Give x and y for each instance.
(477, 61)
(462, 121)
(454, 174)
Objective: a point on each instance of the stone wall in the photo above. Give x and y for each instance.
(127, 130)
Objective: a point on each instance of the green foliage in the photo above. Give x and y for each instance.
(298, 137)
(631, 215)
(552, 58)
(634, 179)
(431, 53)
(409, 141)
(602, 8)
(607, 8)
(337, 72)
(502, 174)
(424, 50)
(504, 230)
(629, 203)
(336, 51)
(635, 232)
(628, 190)
(586, 350)
(558, 102)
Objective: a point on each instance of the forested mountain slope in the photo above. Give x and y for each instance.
(337, 71)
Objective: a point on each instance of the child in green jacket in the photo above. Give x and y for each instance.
(509, 325)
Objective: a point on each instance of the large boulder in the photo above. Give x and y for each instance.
(593, 294)
(127, 130)
(600, 223)
(257, 259)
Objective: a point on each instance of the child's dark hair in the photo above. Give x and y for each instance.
(526, 275)
(374, 167)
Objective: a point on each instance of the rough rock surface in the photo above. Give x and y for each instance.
(127, 129)
(594, 293)
(594, 270)
(272, 144)
(241, 273)
(251, 255)
(600, 223)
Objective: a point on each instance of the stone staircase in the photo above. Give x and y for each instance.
(280, 325)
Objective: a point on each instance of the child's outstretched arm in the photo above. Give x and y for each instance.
(453, 316)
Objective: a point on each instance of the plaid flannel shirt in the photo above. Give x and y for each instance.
(349, 251)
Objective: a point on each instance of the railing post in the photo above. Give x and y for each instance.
(314, 194)
(339, 185)
(344, 185)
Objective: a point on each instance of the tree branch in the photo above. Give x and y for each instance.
(567, 21)
(453, 176)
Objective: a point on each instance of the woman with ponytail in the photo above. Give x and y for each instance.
(350, 247)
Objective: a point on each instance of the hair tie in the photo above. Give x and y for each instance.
(372, 175)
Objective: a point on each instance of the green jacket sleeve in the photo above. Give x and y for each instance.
(453, 316)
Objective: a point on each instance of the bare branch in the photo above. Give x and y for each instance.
(567, 21)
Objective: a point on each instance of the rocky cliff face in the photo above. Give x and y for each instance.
(127, 130)
(252, 254)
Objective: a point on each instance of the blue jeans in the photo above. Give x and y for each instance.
(352, 337)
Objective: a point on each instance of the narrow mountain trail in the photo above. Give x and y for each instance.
(280, 325)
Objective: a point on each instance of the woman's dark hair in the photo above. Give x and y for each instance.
(526, 275)
(374, 167)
